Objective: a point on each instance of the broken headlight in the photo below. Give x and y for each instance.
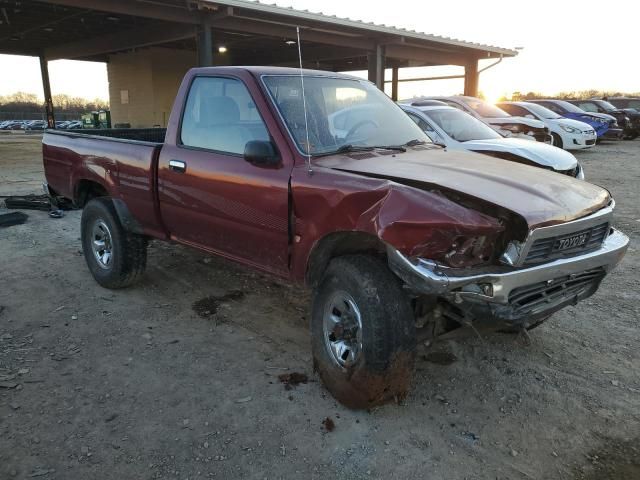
(512, 253)
(469, 251)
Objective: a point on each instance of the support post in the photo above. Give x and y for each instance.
(48, 99)
(376, 61)
(471, 78)
(205, 45)
(394, 84)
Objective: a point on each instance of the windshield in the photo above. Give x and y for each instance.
(460, 125)
(609, 107)
(340, 112)
(484, 109)
(542, 112)
(569, 107)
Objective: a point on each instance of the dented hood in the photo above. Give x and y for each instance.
(539, 196)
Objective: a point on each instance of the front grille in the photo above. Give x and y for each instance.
(544, 295)
(590, 142)
(543, 249)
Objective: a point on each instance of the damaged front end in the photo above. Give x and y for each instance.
(552, 268)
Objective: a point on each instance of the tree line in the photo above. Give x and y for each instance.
(29, 102)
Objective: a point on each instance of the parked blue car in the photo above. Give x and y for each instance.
(605, 125)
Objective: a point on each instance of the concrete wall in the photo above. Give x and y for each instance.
(143, 84)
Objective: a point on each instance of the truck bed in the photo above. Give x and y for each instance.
(124, 161)
(154, 135)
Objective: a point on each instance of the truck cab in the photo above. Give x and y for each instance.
(320, 179)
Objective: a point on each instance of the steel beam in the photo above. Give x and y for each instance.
(422, 54)
(119, 41)
(471, 78)
(376, 66)
(248, 25)
(394, 84)
(205, 46)
(48, 99)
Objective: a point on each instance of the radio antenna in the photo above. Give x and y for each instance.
(304, 105)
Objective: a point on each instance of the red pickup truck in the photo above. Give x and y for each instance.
(321, 179)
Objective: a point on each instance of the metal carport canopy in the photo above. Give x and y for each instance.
(254, 32)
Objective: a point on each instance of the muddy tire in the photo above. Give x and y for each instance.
(362, 333)
(115, 257)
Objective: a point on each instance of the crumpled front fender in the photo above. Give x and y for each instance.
(416, 222)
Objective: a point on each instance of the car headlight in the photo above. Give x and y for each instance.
(512, 254)
(469, 251)
(569, 129)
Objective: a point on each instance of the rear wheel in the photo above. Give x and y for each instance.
(115, 257)
(363, 332)
(557, 140)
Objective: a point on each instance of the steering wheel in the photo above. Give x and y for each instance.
(358, 126)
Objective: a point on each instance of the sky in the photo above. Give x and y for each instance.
(566, 46)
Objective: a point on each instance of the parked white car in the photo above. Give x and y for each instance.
(567, 133)
(504, 123)
(455, 129)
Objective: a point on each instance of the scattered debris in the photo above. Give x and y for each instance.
(38, 202)
(13, 218)
(28, 202)
(244, 399)
(514, 453)
(8, 385)
(292, 379)
(328, 424)
(440, 358)
(208, 306)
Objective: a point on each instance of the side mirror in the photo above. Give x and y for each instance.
(261, 153)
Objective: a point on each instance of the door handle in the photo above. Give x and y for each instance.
(177, 166)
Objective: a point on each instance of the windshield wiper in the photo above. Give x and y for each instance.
(414, 142)
(367, 148)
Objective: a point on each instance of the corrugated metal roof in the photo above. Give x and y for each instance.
(273, 8)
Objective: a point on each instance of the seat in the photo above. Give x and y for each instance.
(218, 127)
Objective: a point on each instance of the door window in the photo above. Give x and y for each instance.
(220, 115)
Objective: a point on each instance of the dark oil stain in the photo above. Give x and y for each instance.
(208, 306)
(328, 424)
(293, 379)
(440, 358)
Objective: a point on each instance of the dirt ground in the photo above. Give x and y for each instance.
(157, 382)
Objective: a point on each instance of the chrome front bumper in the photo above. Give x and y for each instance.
(427, 278)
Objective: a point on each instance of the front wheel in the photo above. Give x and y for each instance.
(115, 257)
(557, 140)
(363, 332)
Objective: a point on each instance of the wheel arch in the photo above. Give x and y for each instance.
(87, 190)
(337, 244)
